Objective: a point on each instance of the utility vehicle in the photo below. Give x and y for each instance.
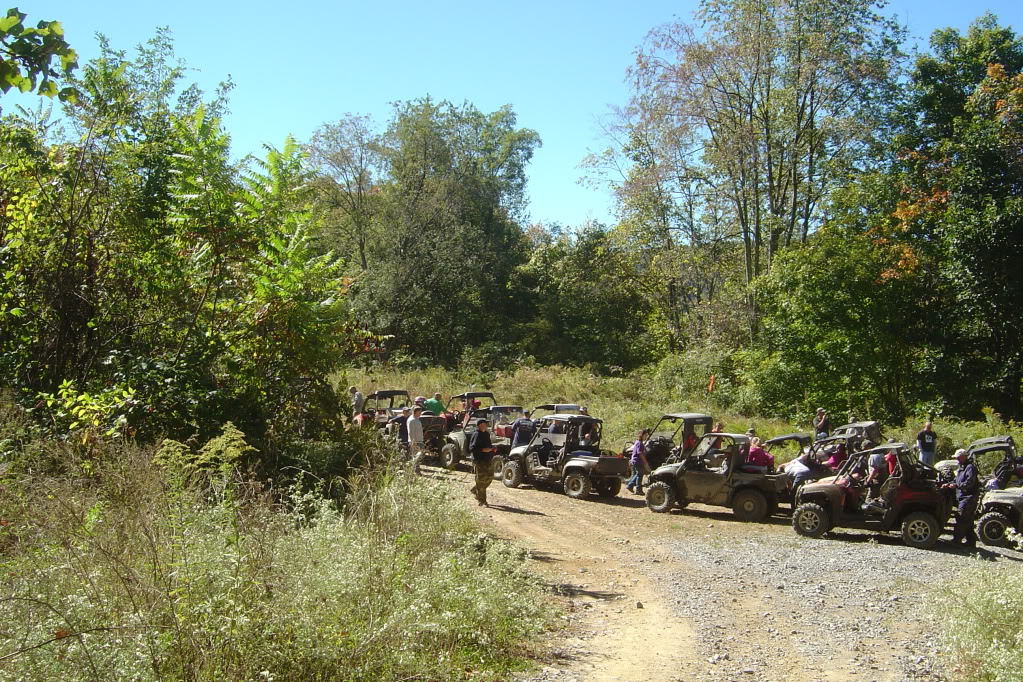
(999, 511)
(570, 456)
(909, 499)
(674, 435)
(751, 493)
(380, 406)
(480, 406)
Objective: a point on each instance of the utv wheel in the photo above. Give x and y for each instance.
(511, 474)
(498, 462)
(577, 485)
(810, 520)
(750, 505)
(991, 529)
(608, 487)
(660, 497)
(920, 530)
(449, 456)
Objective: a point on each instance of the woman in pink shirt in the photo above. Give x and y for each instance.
(758, 456)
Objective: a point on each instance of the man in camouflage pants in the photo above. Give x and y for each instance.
(482, 451)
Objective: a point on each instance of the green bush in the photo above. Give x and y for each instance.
(984, 639)
(129, 571)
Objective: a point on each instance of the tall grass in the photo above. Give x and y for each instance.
(982, 631)
(114, 567)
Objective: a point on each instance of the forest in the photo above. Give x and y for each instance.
(812, 221)
(807, 214)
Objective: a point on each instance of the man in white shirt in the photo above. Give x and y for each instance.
(415, 437)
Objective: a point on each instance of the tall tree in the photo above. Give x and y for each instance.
(959, 173)
(740, 130)
(454, 193)
(347, 156)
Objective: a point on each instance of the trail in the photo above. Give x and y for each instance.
(699, 596)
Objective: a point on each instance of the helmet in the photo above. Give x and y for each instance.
(420, 400)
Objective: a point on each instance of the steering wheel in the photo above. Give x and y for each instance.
(547, 442)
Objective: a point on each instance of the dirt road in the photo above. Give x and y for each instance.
(699, 596)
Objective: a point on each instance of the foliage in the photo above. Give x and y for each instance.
(140, 255)
(399, 583)
(27, 54)
(983, 638)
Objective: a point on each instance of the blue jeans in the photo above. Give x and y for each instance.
(637, 476)
(927, 458)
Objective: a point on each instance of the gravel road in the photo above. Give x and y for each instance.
(699, 596)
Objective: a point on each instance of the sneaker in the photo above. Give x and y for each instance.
(630, 489)
(639, 491)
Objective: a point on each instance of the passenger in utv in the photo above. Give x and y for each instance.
(758, 456)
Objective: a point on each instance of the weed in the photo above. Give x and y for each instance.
(141, 570)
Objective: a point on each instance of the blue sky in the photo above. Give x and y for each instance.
(296, 65)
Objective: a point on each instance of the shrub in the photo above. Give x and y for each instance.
(133, 572)
(985, 639)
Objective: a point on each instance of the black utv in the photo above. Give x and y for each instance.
(566, 450)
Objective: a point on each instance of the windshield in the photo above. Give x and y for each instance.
(505, 415)
(709, 443)
(394, 401)
(785, 450)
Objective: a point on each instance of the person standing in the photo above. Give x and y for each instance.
(435, 405)
(967, 487)
(821, 424)
(639, 463)
(358, 401)
(414, 427)
(482, 451)
(522, 430)
(927, 441)
(401, 421)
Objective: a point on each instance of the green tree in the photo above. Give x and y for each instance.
(959, 173)
(739, 129)
(836, 328)
(587, 303)
(438, 274)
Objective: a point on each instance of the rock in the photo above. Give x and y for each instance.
(639, 605)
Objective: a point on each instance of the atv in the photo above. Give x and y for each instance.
(1000, 510)
(479, 406)
(674, 436)
(380, 406)
(716, 473)
(910, 499)
(568, 454)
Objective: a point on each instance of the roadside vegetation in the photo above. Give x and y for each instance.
(127, 562)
